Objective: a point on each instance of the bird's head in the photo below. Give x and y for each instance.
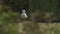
(23, 11)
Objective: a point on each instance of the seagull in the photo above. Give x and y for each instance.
(24, 16)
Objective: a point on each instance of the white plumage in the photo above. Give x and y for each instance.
(23, 14)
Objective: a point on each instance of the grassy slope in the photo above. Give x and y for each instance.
(43, 28)
(8, 25)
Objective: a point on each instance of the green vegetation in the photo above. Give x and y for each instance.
(36, 9)
(8, 23)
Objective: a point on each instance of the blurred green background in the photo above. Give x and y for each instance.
(10, 12)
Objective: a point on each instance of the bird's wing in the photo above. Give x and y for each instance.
(24, 15)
